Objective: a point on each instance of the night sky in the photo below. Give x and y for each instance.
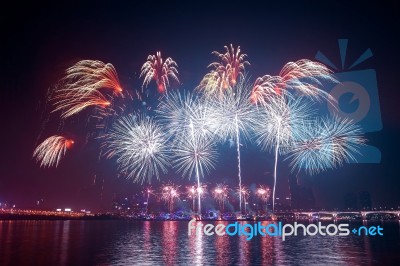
(38, 42)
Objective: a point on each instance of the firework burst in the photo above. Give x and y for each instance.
(325, 144)
(139, 145)
(243, 193)
(80, 88)
(226, 72)
(194, 155)
(51, 150)
(303, 77)
(183, 114)
(220, 194)
(170, 194)
(161, 72)
(263, 193)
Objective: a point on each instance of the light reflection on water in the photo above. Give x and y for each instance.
(168, 243)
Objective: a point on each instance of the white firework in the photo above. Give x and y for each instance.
(183, 114)
(194, 155)
(140, 147)
(325, 144)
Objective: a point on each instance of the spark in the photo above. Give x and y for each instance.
(51, 150)
(155, 69)
(140, 147)
(326, 143)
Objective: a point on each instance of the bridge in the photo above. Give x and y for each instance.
(337, 215)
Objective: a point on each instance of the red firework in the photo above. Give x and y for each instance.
(303, 76)
(156, 69)
(226, 72)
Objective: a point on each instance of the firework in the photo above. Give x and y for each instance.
(189, 122)
(139, 145)
(148, 191)
(220, 194)
(191, 192)
(326, 143)
(170, 195)
(236, 117)
(303, 77)
(226, 72)
(51, 150)
(80, 88)
(183, 113)
(160, 71)
(92, 75)
(264, 193)
(244, 193)
(279, 125)
(194, 156)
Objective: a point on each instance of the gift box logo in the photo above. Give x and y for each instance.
(356, 98)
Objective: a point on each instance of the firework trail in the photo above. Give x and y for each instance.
(279, 125)
(170, 194)
(325, 144)
(236, 117)
(220, 194)
(155, 68)
(80, 88)
(303, 77)
(224, 73)
(51, 150)
(139, 145)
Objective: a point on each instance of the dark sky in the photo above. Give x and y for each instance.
(38, 42)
